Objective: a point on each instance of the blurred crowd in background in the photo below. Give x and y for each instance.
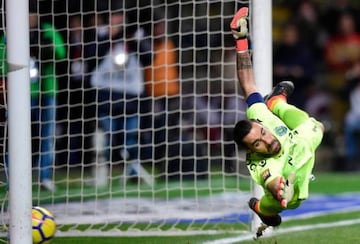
(316, 44)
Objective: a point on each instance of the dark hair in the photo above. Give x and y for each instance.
(241, 129)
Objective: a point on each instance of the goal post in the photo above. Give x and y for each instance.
(20, 195)
(262, 59)
(169, 167)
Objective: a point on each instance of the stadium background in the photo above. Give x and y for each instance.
(331, 153)
(314, 31)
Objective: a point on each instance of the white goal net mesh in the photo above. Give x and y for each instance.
(133, 105)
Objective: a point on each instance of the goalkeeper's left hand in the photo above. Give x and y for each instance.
(285, 190)
(239, 28)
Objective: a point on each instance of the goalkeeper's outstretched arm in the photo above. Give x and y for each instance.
(239, 28)
(245, 73)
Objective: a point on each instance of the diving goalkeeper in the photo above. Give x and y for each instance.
(280, 139)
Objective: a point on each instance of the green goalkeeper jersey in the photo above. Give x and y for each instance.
(296, 155)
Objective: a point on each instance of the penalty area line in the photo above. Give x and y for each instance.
(284, 231)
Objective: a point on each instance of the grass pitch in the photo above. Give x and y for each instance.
(330, 228)
(342, 227)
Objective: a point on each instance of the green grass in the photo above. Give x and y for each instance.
(76, 189)
(71, 186)
(334, 183)
(145, 240)
(331, 235)
(325, 183)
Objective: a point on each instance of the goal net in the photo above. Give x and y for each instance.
(133, 105)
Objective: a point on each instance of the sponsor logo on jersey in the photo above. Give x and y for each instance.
(281, 130)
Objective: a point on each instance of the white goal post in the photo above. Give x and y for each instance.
(262, 58)
(169, 167)
(19, 122)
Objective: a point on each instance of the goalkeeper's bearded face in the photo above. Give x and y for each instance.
(261, 140)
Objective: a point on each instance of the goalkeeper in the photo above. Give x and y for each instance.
(280, 139)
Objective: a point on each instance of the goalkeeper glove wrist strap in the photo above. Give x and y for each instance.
(242, 45)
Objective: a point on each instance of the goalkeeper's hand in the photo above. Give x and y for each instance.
(285, 190)
(239, 28)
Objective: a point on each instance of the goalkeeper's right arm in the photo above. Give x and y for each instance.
(244, 65)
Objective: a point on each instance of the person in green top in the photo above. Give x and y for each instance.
(46, 47)
(280, 139)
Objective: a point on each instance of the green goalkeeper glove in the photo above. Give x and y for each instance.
(239, 28)
(286, 190)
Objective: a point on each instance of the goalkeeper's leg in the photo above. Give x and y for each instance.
(269, 218)
(277, 103)
(289, 114)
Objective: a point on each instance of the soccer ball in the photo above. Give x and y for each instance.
(43, 225)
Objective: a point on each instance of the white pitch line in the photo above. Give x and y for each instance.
(285, 230)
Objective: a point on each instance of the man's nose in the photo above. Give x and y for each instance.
(267, 139)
